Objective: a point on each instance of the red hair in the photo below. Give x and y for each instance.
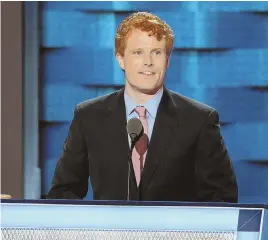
(146, 22)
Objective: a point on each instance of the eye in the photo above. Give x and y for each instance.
(138, 52)
(157, 52)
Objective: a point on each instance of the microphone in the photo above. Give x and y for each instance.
(135, 131)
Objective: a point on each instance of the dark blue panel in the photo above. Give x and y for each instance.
(48, 167)
(67, 29)
(233, 6)
(72, 6)
(217, 29)
(249, 220)
(247, 141)
(53, 136)
(113, 6)
(151, 6)
(240, 30)
(235, 105)
(215, 68)
(60, 100)
(252, 182)
(161, 5)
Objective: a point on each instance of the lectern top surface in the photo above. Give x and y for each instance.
(137, 203)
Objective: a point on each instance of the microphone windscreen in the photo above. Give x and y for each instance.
(134, 129)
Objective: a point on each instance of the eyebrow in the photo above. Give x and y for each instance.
(135, 49)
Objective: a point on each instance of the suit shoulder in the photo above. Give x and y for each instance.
(96, 103)
(189, 103)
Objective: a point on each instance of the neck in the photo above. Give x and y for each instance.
(141, 97)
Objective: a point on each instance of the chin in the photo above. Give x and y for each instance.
(149, 90)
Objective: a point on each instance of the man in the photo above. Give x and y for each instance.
(184, 159)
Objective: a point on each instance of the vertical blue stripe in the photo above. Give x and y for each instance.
(32, 173)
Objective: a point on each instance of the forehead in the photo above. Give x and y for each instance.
(141, 39)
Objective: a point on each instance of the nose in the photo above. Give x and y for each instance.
(148, 61)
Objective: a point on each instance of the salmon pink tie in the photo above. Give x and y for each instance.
(140, 149)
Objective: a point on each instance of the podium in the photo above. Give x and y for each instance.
(116, 220)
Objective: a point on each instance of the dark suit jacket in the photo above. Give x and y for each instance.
(186, 159)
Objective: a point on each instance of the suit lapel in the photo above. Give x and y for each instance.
(164, 128)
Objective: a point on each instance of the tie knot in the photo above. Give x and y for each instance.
(141, 111)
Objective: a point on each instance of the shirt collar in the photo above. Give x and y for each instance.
(151, 105)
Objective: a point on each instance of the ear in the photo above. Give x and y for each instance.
(120, 60)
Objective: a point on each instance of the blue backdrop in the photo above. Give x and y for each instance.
(220, 58)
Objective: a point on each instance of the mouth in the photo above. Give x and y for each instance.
(147, 73)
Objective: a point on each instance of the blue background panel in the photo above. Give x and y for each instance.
(114, 6)
(88, 65)
(220, 58)
(210, 29)
(80, 66)
(235, 105)
(59, 101)
(219, 67)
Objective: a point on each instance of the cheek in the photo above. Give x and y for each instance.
(132, 65)
(163, 69)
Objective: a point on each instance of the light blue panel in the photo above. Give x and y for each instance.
(79, 66)
(183, 26)
(247, 236)
(114, 217)
(192, 29)
(106, 30)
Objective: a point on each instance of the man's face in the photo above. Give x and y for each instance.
(145, 62)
